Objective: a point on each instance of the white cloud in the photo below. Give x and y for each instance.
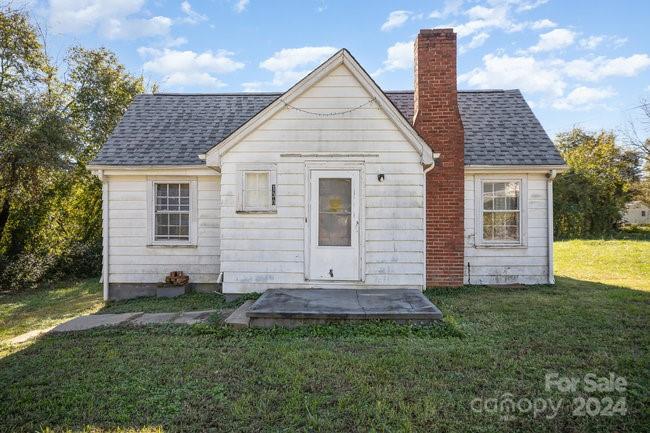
(193, 79)
(395, 19)
(191, 16)
(289, 65)
(111, 17)
(647, 89)
(525, 73)
(583, 98)
(241, 5)
(451, 7)
(188, 68)
(543, 24)
(477, 41)
(530, 5)
(482, 18)
(591, 42)
(600, 67)
(554, 40)
(398, 56)
(136, 28)
(551, 77)
(175, 42)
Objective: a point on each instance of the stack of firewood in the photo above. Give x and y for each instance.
(177, 278)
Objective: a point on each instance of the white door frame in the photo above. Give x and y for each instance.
(336, 166)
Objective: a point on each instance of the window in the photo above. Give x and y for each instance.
(257, 189)
(334, 212)
(642, 213)
(500, 206)
(172, 212)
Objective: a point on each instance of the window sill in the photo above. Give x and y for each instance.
(274, 211)
(157, 245)
(500, 246)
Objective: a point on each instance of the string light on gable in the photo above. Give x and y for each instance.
(333, 113)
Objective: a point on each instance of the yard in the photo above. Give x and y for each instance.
(495, 343)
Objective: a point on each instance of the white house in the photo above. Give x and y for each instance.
(636, 212)
(334, 183)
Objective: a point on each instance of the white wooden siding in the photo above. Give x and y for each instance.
(517, 265)
(261, 251)
(131, 260)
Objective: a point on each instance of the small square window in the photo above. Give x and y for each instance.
(257, 190)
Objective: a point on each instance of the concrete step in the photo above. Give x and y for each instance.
(238, 319)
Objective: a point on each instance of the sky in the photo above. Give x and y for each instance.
(578, 63)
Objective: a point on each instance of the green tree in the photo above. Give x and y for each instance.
(99, 90)
(591, 195)
(35, 139)
(50, 204)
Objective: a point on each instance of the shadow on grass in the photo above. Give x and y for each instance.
(194, 301)
(35, 309)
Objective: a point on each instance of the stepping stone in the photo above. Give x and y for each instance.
(192, 317)
(238, 319)
(154, 318)
(94, 321)
(19, 339)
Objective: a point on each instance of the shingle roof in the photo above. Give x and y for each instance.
(173, 129)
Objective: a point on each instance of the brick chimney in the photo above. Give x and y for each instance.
(437, 120)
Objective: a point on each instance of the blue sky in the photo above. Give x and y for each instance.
(583, 63)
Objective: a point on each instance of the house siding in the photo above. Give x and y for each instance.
(261, 251)
(520, 265)
(132, 260)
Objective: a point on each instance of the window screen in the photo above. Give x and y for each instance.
(501, 211)
(172, 211)
(334, 212)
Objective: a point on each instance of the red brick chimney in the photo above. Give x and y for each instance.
(437, 120)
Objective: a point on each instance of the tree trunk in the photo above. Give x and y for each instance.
(4, 214)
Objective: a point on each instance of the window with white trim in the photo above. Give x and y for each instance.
(501, 212)
(257, 189)
(172, 211)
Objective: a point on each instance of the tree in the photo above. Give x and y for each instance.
(635, 136)
(99, 90)
(50, 128)
(591, 195)
(34, 135)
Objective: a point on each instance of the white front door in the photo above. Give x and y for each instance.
(334, 225)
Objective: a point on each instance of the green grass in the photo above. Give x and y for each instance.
(373, 377)
(43, 309)
(188, 302)
(621, 262)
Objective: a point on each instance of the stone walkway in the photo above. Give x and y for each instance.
(96, 320)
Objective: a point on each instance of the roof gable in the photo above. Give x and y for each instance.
(342, 57)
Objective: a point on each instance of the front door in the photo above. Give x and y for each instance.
(334, 225)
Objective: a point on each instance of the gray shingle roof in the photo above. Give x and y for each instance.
(173, 129)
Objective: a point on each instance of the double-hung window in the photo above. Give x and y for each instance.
(501, 213)
(172, 211)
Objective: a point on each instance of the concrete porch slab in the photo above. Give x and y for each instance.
(293, 307)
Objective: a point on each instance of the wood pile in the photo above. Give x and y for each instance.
(177, 278)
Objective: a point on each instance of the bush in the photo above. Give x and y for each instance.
(590, 197)
(25, 271)
(29, 270)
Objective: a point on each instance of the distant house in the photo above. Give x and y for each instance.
(335, 183)
(636, 212)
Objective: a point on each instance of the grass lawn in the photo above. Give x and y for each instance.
(376, 377)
